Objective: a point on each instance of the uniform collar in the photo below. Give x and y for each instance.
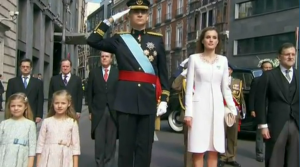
(138, 32)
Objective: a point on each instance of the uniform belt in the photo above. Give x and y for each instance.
(136, 76)
(16, 141)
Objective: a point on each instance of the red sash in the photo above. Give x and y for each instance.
(136, 76)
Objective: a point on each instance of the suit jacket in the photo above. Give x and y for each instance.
(272, 92)
(1, 88)
(135, 97)
(34, 93)
(74, 87)
(101, 94)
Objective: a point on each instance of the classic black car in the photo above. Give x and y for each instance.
(248, 125)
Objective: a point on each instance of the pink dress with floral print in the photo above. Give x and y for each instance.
(57, 143)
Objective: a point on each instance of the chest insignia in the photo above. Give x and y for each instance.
(150, 51)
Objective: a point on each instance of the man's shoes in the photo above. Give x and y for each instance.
(233, 163)
(221, 163)
(259, 159)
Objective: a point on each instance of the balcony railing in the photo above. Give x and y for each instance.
(195, 5)
(168, 16)
(192, 36)
(179, 11)
(167, 46)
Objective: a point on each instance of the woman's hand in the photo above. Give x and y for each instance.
(188, 121)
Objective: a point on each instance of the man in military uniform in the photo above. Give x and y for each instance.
(179, 84)
(232, 132)
(143, 79)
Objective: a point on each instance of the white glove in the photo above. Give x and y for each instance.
(162, 108)
(119, 15)
(184, 73)
(182, 64)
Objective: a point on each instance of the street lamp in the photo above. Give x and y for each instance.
(13, 16)
(66, 4)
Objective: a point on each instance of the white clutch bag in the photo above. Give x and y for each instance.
(229, 117)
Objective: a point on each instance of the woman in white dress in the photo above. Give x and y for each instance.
(207, 86)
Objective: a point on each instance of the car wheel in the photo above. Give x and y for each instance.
(174, 121)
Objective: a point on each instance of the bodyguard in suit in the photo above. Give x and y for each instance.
(143, 79)
(231, 133)
(69, 82)
(265, 65)
(101, 95)
(32, 87)
(278, 91)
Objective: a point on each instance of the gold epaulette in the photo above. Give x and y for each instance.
(123, 32)
(155, 33)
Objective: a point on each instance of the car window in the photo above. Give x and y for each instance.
(246, 77)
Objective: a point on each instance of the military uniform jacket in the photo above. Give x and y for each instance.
(236, 87)
(134, 97)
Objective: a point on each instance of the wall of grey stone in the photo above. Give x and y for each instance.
(36, 25)
(256, 26)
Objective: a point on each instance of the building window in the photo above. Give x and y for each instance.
(203, 20)
(179, 7)
(168, 39)
(263, 44)
(179, 36)
(169, 11)
(210, 18)
(158, 19)
(150, 19)
(252, 8)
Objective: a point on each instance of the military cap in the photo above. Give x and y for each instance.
(138, 4)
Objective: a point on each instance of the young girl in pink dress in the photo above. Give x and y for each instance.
(17, 133)
(58, 143)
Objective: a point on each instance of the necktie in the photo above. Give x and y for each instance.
(25, 82)
(287, 75)
(65, 80)
(106, 74)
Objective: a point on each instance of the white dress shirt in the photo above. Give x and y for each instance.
(103, 70)
(291, 73)
(68, 77)
(27, 80)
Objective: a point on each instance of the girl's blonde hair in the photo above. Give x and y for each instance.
(70, 110)
(19, 96)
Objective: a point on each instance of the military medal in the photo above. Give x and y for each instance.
(139, 38)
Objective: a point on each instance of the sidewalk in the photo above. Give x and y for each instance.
(84, 107)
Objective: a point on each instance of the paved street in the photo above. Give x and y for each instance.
(167, 152)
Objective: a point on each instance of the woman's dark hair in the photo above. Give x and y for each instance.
(200, 47)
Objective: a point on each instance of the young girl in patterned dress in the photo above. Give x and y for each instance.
(58, 143)
(17, 133)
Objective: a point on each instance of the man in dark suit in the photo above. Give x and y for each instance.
(101, 94)
(265, 66)
(279, 91)
(32, 87)
(1, 92)
(143, 81)
(69, 82)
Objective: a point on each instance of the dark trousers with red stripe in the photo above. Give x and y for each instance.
(136, 135)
